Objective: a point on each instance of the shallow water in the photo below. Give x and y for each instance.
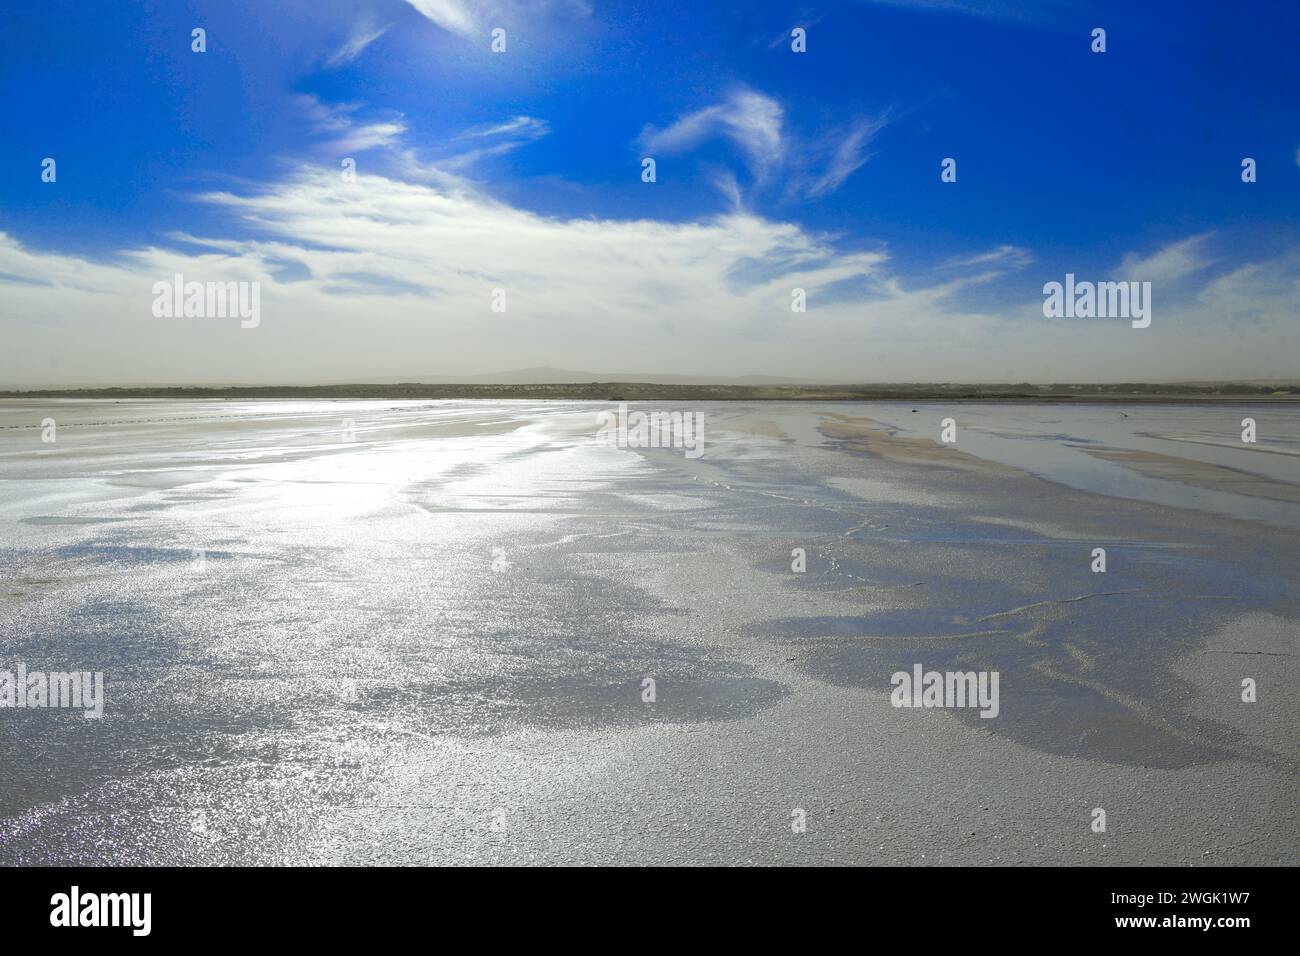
(355, 631)
(1052, 442)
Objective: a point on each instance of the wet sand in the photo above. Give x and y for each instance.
(1199, 474)
(424, 636)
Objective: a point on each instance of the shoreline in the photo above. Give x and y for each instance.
(649, 391)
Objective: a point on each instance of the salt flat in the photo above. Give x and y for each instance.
(387, 631)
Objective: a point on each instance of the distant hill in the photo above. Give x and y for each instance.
(546, 375)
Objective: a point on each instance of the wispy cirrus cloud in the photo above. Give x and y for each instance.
(848, 155)
(750, 120)
(1038, 13)
(1006, 256)
(336, 123)
(783, 38)
(468, 148)
(755, 123)
(470, 20)
(341, 132)
(494, 140)
(517, 127)
(1170, 263)
(363, 34)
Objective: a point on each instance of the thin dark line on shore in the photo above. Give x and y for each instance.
(649, 391)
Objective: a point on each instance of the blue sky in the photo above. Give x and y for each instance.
(775, 169)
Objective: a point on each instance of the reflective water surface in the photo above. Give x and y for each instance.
(349, 632)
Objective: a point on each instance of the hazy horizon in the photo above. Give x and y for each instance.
(549, 376)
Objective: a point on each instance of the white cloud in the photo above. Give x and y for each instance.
(451, 15)
(472, 20)
(1251, 296)
(1008, 256)
(341, 134)
(369, 136)
(391, 278)
(363, 34)
(1039, 13)
(398, 278)
(522, 127)
(334, 122)
(750, 120)
(1173, 262)
(479, 143)
(724, 180)
(848, 156)
(755, 123)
